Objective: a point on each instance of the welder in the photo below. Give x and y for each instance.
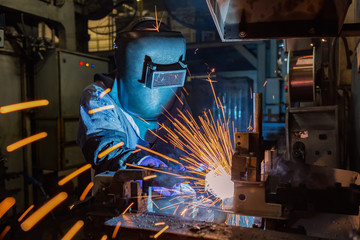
(145, 89)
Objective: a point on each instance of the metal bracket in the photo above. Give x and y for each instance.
(249, 199)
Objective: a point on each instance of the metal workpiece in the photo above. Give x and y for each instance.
(249, 147)
(238, 167)
(273, 199)
(251, 166)
(270, 161)
(102, 180)
(246, 162)
(250, 199)
(247, 142)
(119, 189)
(312, 135)
(142, 226)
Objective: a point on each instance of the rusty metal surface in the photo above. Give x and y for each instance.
(141, 226)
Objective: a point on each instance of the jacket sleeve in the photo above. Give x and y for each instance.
(101, 130)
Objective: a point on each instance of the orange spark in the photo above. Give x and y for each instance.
(157, 27)
(158, 154)
(6, 204)
(149, 177)
(273, 97)
(159, 223)
(74, 174)
(188, 71)
(86, 191)
(157, 135)
(23, 105)
(177, 97)
(196, 50)
(25, 213)
(135, 151)
(115, 232)
(265, 83)
(110, 149)
(170, 206)
(104, 237)
(303, 67)
(213, 90)
(25, 141)
(143, 120)
(157, 23)
(161, 231)
(176, 210)
(156, 170)
(184, 89)
(308, 56)
(152, 169)
(250, 127)
(95, 110)
(251, 93)
(73, 230)
(106, 91)
(183, 212)
(154, 204)
(43, 211)
(5, 231)
(128, 208)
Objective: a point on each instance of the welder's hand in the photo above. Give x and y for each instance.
(151, 161)
(178, 168)
(176, 190)
(183, 188)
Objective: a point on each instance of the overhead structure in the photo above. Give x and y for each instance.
(242, 20)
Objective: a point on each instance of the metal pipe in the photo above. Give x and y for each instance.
(257, 108)
(257, 113)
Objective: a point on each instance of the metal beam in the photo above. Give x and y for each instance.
(261, 67)
(219, 44)
(273, 58)
(247, 55)
(62, 17)
(233, 74)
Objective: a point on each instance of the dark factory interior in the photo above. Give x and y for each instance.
(187, 119)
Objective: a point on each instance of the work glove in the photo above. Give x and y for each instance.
(177, 189)
(152, 161)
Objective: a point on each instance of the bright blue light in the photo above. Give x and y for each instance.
(93, 65)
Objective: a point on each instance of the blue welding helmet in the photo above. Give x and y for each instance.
(150, 67)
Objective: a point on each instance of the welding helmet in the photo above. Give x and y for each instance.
(150, 66)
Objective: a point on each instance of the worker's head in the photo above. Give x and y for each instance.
(150, 67)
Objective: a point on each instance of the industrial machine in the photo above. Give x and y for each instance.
(304, 189)
(296, 185)
(69, 72)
